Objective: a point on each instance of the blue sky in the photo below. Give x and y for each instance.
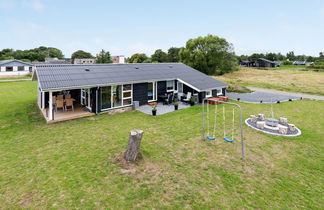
(126, 27)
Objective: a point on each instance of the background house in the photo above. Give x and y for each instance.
(15, 68)
(304, 63)
(84, 61)
(264, 63)
(118, 59)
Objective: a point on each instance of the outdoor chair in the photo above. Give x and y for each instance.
(59, 104)
(69, 104)
(168, 99)
(67, 96)
(187, 99)
(59, 97)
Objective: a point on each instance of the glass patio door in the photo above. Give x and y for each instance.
(151, 91)
(106, 97)
(117, 95)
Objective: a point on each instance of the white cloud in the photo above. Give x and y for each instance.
(322, 13)
(37, 5)
(7, 4)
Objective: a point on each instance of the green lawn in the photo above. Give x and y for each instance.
(72, 164)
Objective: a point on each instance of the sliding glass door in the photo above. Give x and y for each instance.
(106, 97)
(151, 91)
(116, 96)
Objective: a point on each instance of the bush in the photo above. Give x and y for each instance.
(238, 89)
(286, 62)
(315, 67)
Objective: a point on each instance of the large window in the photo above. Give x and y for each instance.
(127, 94)
(150, 91)
(116, 96)
(9, 68)
(21, 68)
(170, 85)
(105, 97)
(219, 92)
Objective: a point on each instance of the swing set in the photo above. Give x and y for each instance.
(212, 135)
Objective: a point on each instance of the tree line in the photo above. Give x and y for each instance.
(287, 59)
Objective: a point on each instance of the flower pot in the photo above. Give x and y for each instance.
(176, 107)
(154, 112)
(192, 103)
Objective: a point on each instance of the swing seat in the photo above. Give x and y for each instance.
(228, 140)
(210, 138)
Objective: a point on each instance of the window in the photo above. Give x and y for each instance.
(106, 97)
(219, 92)
(127, 94)
(9, 68)
(21, 68)
(150, 91)
(209, 93)
(170, 85)
(117, 95)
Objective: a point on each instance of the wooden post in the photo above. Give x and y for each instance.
(134, 143)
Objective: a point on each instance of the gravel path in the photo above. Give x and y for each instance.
(316, 97)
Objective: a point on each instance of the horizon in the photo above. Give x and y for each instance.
(284, 26)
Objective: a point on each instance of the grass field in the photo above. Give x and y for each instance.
(289, 79)
(72, 164)
(29, 76)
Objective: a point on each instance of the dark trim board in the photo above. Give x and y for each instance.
(140, 93)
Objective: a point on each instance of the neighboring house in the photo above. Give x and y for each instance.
(104, 87)
(305, 63)
(15, 68)
(84, 61)
(264, 63)
(53, 61)
(247, 63)
(118, 59)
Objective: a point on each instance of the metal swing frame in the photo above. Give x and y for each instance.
(241, 120)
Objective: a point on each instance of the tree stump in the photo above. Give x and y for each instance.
(134, 143)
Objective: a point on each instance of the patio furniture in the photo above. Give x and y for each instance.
(169, 99)
(59, 104)
(291, 127)
(187, 99)
(283, 129)
(261, 117)
(283, 120)
(67, 96)
(59, 97)
(69, 104)
(260, 124)
(253, 118)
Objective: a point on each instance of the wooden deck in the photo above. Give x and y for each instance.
(59, 116)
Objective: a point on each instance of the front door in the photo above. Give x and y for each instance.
(151, 91)
(85, 98)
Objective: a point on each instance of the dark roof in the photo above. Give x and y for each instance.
(53, 77)
(266, 60)
(4, 62)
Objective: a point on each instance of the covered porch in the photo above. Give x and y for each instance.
(64, 105)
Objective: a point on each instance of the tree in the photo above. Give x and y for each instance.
(210, 54)
(138, 58)
(159, 56)
(81, 54)
(103, 57)
(291, 56)
(173, 54)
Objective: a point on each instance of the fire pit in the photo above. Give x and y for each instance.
(271, 122)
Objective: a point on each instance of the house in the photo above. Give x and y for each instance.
(305, 63)
(15, 68)
(264, 63)
(104, 87)
(53, 61)
(84, 61)
(247, 63)
(118, 59)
